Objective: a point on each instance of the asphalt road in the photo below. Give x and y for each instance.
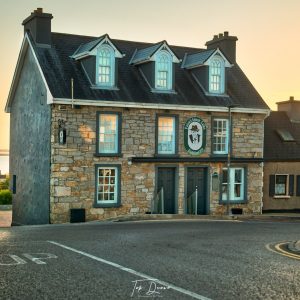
(166, 259)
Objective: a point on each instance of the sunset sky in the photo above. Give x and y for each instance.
(268, 33)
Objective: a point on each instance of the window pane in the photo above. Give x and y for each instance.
(216, 72)
(280, 184)
(104, 66)
(166, 135)
(163, 69)
(220, 136)
(236, 184)
(108, 133)
(107, 184)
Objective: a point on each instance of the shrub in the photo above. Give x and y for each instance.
(5, 197)
(4, 185)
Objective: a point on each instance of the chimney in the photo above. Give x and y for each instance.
(39, 26)
(291, 107)
(226, 43)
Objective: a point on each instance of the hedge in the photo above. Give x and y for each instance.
(5, 197)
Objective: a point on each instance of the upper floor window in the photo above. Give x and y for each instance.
(163, 72)
(166, 135)
(220, 136)
(108, 134)
(105, 66)
(217, 76)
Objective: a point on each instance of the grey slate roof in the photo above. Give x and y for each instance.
(274, 146)
(197, 59)
(58, 68)
(144, 54)
(88, 46)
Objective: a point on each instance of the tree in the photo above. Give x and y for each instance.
(4, 185)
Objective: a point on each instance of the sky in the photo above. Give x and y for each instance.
(267, 30)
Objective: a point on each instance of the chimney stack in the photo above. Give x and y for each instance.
(226, 43)
(39, 26)
(291, 107)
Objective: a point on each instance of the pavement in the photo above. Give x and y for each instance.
(5, 218)
(293, 246)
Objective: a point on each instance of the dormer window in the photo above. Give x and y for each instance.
(163, 72)
(99, 60)
(156, 65)
(216, 75)
(208, 69)
(105, 62)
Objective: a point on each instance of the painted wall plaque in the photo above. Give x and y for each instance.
(194, 136)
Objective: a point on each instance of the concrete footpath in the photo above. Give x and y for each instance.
(5, 218)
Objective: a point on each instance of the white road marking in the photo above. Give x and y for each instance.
(38, 260)
(131, 271)
(18, 260)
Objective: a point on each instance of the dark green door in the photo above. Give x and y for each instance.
(196, 179)
(166, 181)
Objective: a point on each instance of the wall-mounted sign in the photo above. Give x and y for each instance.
(62, 133)
(194, 136)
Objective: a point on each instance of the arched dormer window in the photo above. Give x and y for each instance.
(163, 71)
(217, 75)
(105, 71)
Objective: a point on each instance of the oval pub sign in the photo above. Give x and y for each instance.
(194, 136)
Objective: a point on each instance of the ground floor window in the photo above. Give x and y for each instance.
(237, 188)
(107, 186)
(281, 185)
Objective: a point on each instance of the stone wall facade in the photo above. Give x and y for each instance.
(72, 182)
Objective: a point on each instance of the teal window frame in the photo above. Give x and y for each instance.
(106, 65)
(163, 71)
(102, 136)
(107, 185)
(217, 75)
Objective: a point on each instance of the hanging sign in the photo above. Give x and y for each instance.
(194, 136)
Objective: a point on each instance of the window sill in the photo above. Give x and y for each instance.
(219, 155)
(106, 205)
(224, 202)
(163, 91)
(108, 155)
(99, 87)
(282, 197)
(216, 94)
(166, 155)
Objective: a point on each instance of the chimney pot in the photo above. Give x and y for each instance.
(220, 35)
(226, 33)
(39, 10)
(215, 37)
(292, 98)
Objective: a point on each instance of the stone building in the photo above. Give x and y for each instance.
(109, 127)
(282, 158)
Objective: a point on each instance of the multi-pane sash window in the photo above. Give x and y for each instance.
(220, 136)
(163, 71)
(216, 77)
(236, 186)
(166, 135)
(105, 59)
(107, 185)
(281, 185)
(108, 133)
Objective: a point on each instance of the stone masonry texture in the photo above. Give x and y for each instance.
(72, 183)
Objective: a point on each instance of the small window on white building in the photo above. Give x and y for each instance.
(217, 75)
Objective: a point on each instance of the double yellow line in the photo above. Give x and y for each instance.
(283, 252)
